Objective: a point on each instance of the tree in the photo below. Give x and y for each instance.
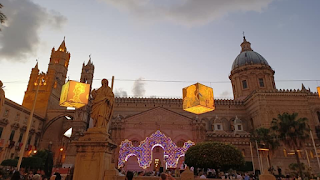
(267, 140)
(214, 155)
(10, 162)
(292, 132)
(32, 162)
(2, 16)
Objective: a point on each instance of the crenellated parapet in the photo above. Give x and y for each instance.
(171, 101)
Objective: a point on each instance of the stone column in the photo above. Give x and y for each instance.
(94, 156)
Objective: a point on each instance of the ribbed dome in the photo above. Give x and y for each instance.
(248, 57)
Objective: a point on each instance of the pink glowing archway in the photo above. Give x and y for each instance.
(144, 150)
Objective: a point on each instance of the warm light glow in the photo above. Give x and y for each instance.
(198, 99)
(263, 149)
(318, 88)
(74, 94)
(61, 149)
(35, 151)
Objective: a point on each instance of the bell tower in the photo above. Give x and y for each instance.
(50, 83)
(87, 72)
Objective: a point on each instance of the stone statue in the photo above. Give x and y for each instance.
(2, 96)
(102, 105)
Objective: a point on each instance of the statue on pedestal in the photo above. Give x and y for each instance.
(102, 105)
(2, 96)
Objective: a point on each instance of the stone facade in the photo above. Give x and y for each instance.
(13, 124)
(256, 102)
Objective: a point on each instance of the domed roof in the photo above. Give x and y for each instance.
(248, 56)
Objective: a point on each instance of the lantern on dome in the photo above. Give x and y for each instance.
(198, 99)
(318, 88)
(74, 94)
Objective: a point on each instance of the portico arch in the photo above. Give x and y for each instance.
(144, 150)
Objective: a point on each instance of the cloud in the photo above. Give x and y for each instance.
(186, 12)
(120, 93)
(225, 94)
(138, 89)
(19, 37)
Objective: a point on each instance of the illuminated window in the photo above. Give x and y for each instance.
(244, 84)
(311, 155)
(261, 83)
(285, 153)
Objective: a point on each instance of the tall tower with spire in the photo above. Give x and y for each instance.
(50, 83)
(87, 72)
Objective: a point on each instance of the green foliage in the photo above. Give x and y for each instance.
(42, 154)
(214, 155)
(294, 167)
(10, 162)
(31, 162)
(2, 16)
(291, 131)
(246, 167)
(265, 138)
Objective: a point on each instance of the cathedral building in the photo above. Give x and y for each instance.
(154, 132)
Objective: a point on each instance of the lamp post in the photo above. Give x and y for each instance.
(314, 146)
(24, 142)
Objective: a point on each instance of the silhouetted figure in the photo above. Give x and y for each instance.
(16, 176)
(129, 175)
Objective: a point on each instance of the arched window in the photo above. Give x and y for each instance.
(244, 84)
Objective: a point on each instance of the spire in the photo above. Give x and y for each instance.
(62, 47)
(302, 87)
(245, 45)
(36, 66)
(89, 62)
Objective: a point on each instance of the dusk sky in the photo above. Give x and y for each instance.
(169, 40)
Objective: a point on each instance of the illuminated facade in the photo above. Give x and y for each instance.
(137, 120)
(172, 152)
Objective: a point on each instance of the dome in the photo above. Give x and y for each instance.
(248, 56)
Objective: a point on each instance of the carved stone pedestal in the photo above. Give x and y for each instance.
(94, 156)
(266, 176)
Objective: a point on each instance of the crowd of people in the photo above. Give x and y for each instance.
(6, 174)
